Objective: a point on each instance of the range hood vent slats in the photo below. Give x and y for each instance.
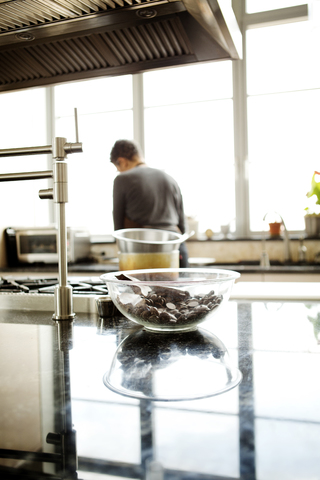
(65, 53)
(25, 66)
(154, 36)
(100, 4)
(172, 38)
(10, 72)
(131, 45)
(118, 48)
(140, 45)
(74, 7)
(149, 41)
(47, 42)
(97, 58)
(181, 36)
(36, 11)
(165, 41)
(104, 51)
(39, 9)
(110, 3)
(13, 14)
(59, 7)
(119, 58)
(16, 14)
(90, 6)
(38, 69)
(53, 59)
(82, 6)
(42, 58)
(9, 22)
(87, 55)
(97, 51)
(36, 17)
(61, 58)
(68, 47)
(16, 71)
(76, 47)
(3, 77)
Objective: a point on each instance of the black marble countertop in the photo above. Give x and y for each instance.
(100, 268)
(59, 420)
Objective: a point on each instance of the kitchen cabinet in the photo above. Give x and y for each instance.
(289, 277)
(251, 277)
(279, 277)
(266, 427)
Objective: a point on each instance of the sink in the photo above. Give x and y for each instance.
(257, 262)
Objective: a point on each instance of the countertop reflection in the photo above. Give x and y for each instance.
(171, 366)
(59, 420)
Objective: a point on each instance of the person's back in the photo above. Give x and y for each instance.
(145, 197)
(148, 197)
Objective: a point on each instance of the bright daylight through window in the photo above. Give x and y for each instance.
(105, 114)
(189, 133)
(253, 6)
(22, 124)
(189, 125)
(283, 81)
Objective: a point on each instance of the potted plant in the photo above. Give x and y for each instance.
(312, 216)
(275, 228)
(275, 222)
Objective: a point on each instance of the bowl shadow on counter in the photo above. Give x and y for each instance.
(171, 366)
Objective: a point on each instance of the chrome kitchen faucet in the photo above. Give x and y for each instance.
(63, 299)
(264, 259)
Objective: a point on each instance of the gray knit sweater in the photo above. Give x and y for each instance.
(149, 197)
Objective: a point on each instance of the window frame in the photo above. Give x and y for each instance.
(246, 21)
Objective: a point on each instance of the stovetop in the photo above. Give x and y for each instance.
(25, 293)
(46, 285)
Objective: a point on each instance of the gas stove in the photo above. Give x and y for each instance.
(88, 286)
(24, 293)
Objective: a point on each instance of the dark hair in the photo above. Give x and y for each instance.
(125, 148)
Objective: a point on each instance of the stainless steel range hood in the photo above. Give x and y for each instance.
(46, 42)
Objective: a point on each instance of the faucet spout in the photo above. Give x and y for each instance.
(264, 258)
(286, 239)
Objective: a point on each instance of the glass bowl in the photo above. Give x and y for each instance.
(170, 299)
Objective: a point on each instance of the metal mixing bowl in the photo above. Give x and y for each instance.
(148, 240)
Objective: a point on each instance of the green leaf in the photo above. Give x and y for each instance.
(315, 189)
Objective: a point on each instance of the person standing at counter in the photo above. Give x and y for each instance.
(145, 197)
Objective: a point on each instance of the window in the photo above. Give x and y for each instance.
(189, 134)
(283, 81)
(254, 6)
(104, 115)
(191, 118)
(23, 124)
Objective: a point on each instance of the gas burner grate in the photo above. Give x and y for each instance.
(47, 285)
(81, 288)
(10, 285)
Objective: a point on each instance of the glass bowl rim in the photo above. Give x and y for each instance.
(110, 277)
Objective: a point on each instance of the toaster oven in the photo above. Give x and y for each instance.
(40, 245)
